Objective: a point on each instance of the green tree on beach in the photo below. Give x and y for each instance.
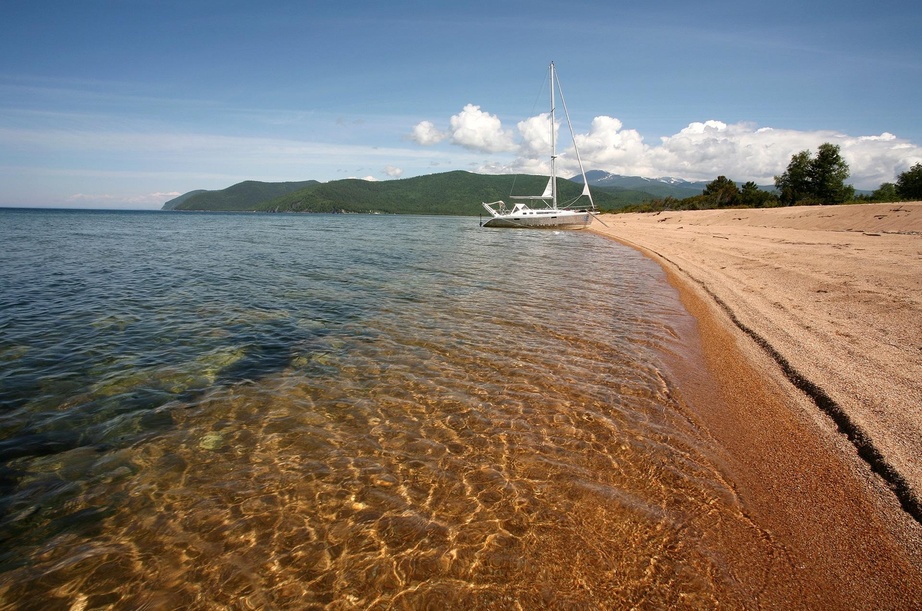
(794, 184)
(754, 197)
(828, 173)
(819, 179)
(886, 193)
(909, 183)
(722, 192)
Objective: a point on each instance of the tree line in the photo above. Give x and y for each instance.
(808, 180)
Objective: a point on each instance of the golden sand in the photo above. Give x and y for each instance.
(811, 320)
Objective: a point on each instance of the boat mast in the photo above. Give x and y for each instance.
(579, 159)
(553, 79)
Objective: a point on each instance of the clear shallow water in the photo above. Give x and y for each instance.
(308, 411)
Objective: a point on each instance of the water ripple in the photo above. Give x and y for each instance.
(330, 411)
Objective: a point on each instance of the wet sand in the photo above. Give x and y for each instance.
(809, 319)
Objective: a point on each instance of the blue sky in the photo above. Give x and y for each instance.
(130, 103)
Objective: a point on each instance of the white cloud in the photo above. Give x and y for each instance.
(536, 136)
(425, 133)
(700, 151)
(879, 159)
(743, 152)
(392, 171)
(480, 131)
(608, 145)
(471, 128)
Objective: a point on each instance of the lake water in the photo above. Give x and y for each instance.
(342, 411)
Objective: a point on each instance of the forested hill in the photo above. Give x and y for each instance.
(240, 197)
(452, 193)
(175, 202)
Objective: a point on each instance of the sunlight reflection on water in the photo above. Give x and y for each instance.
(300, 412)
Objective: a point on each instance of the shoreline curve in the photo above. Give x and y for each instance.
(780, 296)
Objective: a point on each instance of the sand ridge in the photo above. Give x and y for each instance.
(835, 291)
(810, 322)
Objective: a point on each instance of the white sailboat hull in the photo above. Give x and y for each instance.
(569, 219)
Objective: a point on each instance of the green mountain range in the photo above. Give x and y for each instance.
(451, 193)
(240, 197)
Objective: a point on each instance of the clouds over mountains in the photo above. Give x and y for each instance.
(700, 151)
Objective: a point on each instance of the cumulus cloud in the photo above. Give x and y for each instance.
(536, 135)
(426, 133)
(471, 128)
(744, 152)
(702, 150)
(392, 171)
(610, 147)
(480, 131)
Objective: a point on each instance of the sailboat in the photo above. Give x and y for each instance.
(544, 210)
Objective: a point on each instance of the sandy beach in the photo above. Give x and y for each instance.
(809, 318)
